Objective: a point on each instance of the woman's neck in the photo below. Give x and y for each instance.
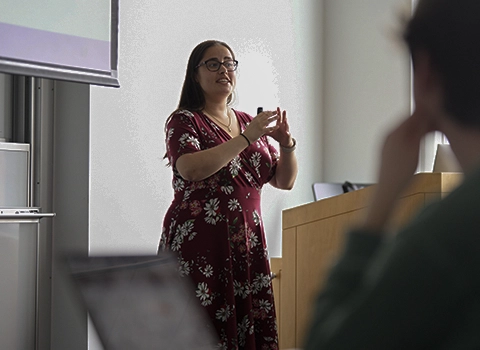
(219, 109)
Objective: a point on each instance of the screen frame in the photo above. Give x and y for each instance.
(74, 74)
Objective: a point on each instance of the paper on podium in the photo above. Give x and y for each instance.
(445, 160)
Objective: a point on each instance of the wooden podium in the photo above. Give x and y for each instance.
(312, 237)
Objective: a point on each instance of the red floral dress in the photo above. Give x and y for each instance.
(215, 226)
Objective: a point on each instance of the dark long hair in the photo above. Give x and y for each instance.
(192, 97)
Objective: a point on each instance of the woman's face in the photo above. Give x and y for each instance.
(220, 84)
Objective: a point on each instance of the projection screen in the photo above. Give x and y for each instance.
(74, 40)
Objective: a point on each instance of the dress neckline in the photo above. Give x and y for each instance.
(219, 126)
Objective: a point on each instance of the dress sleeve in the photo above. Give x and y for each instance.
(182, 135)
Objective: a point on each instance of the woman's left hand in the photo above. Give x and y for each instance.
(282, 133)
(287, 168)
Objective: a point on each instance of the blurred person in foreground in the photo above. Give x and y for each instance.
(421, 288)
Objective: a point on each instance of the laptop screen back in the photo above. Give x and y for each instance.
(142, 303)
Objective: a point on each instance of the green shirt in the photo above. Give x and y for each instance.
(419, 290)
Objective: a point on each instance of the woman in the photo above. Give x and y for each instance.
(221, 158)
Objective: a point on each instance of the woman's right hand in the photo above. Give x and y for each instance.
(260, 125)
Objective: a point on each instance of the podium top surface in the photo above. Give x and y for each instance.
(427, 183)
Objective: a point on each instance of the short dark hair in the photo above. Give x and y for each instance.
(192, 97)
(449, 31)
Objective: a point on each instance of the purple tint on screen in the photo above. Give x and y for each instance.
(39, 46)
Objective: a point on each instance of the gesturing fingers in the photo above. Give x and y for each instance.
(264, 123)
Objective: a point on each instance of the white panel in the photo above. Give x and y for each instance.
(14, 167)
(17, 285)
(367, 84)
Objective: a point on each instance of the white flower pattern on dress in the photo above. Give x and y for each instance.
(203, 293)
(243, 329)
(234, 205)
(183, 231)
(207, 271)
(184, 268)
(235, 166)
(252, 240)
(261, 281)
(215, 227)
(241, 290)
(189, 139)
(255, 162)
(178, 185)
(256, 218)
(169, 134)
(249, 177)
(186, 112)
(211, 211)
(224, 313)
(265, 305)
(227, 189)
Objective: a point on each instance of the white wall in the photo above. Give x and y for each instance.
(332, 64)
(336, 66)
(275, 44)
(367, 84)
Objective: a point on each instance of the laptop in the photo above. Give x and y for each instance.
(141, 302)
(322, 190)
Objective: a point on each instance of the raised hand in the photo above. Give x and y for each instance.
(282, 133)
(259, 125)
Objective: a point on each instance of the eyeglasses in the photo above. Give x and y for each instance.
(213, 65)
